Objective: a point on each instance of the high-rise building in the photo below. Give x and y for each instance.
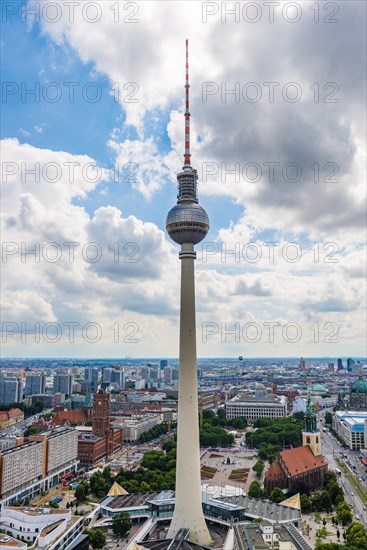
(168, 375)
(163, 363)
(91, 378)
(350, 363)
(34, 384)
(187, 224)
(62, 383)
(340, 364)
(145, 373)
(118, 377)
(302, 364)
(11, 390)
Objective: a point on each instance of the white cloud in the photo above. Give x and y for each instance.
(224, 133)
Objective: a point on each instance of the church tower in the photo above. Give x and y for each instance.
(311, 433)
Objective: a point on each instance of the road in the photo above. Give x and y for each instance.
(332, 450)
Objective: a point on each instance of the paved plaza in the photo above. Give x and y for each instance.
(239, 460)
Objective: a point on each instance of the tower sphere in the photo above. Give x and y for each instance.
(187, 222)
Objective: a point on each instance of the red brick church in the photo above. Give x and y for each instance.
(303, 464)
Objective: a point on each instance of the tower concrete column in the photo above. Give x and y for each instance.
(187, 224)
(188, 506)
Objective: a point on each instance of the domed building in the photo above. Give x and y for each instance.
(319, 389)
(358, 394)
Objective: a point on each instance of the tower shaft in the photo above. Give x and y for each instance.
(188, 510)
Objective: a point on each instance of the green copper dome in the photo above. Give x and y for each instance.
(359, 386)
(319, 388)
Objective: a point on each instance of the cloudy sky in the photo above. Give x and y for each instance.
(92, 139)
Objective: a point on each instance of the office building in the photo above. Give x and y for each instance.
(257, 406)
(50, 401)
(34, 384)
(340, 365)
(351, 427)
(133, 428)
(118, 377)
(62, 383)
(167, 374)
(91, 377)
(11, 390)
(350, 363)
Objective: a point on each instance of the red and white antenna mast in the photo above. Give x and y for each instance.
(187, 155)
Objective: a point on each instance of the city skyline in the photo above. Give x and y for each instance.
(125, 303)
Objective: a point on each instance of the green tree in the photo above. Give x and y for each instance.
(327, 546)
(54, 505)
(258, 468)
(107, 473)
(280, 431)
(168, 445)
(97, 538)
(212, 436)
(82, 491)
(306, 504)
(325, 501)
(328, 418)
(121, 524)
(98, 485)
(356, 535)
(276, 495)
(240, 423)
(343, 513)
(255, 490)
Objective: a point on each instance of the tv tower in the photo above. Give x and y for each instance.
(187, 224)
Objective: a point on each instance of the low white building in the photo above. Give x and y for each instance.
(351, 427)
(257, 406)
(134, 427)
(43, 528)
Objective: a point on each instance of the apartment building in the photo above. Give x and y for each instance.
(38, 464)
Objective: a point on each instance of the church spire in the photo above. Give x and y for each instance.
(310, 416)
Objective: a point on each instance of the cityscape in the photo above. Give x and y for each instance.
(184, 352)
(83, 439)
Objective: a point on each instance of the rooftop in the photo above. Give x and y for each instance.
(300, 460)
(250, 537)
(128, 501)
(20, 447)
(265, 509)
(39, 511)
